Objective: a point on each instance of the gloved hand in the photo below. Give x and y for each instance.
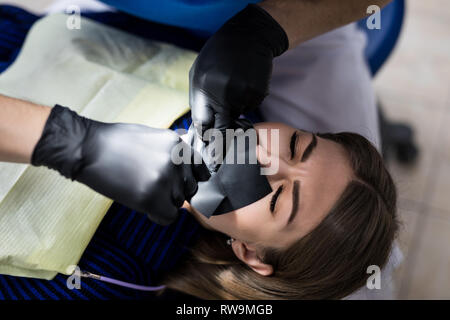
(128, 163)
(232, 71)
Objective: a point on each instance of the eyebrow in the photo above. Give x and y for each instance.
(309, 149)
(295, 201)
(296, 188)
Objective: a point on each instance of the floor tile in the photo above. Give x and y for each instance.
(428, 276)
(412, 180)
(439, 198)
(419, 66)
(435, 9)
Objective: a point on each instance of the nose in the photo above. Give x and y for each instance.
(276, 168)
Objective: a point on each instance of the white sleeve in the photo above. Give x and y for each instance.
(324, 85)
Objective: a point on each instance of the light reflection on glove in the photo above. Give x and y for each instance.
(128, 163)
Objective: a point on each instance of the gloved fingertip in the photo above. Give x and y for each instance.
(201, 171)
(223, 121)
(178, 199)
(191, 191)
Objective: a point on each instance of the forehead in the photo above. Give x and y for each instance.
(273, 125)
(328, 168)
(324, 178)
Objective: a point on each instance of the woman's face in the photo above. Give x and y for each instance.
(312, 174)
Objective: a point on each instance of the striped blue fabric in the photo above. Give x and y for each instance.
(127, 245)
(14, 25)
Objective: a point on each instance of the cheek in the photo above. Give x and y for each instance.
(255, 220)
(248, 223)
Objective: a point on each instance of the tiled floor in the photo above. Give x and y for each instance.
(414, 86)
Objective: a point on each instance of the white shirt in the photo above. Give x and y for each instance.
(324, 85)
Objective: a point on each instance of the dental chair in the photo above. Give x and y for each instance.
(396, 137)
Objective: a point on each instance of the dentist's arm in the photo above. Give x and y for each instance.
(231, 75)
(21, 125)
(305, 19)
(129, 163)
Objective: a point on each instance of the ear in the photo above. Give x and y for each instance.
(248, 254)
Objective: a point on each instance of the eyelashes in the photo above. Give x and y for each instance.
(273, 201)
(293, 143)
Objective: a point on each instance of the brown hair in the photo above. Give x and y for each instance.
(328, 263)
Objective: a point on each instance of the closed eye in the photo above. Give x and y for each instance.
(274, 199)
(293, 143)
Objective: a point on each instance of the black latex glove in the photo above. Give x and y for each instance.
(232, 72)
(128, 163)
